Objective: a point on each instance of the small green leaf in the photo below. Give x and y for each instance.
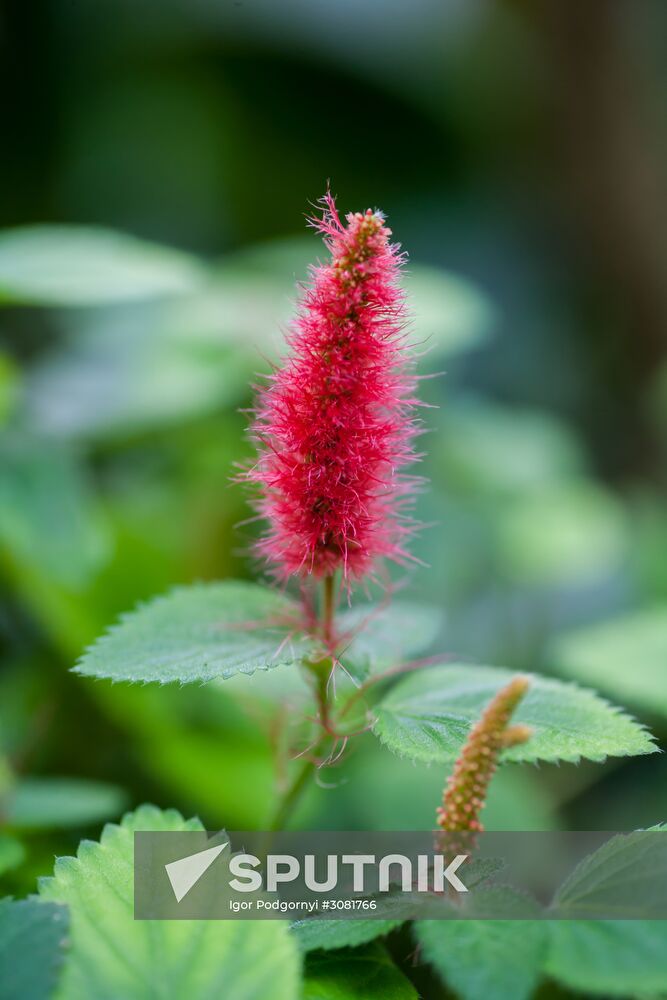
(32, 936)
(113, 956)
(626, 656)
(50, 803)
(47, 515)
(328, 934)
(198, 633)
(364, 974)
(609, 958)
(428, 715)
(380, 636)
(12, 852)
(80, 265)
(479, 959)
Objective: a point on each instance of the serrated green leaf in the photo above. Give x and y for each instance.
(81, 265)
(47, 516)
(361, 974)
(328, 934)
(629, 871)
(479, 959)
(428, 715)
(384, 636)
(113, 956)
(626, 657)
(51, 803)
(198, 633)
(32, 936)
(609, 958)
(12, 853)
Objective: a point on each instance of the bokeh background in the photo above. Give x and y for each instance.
(519, 152)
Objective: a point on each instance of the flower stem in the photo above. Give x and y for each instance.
(328, 609)
(290, 799)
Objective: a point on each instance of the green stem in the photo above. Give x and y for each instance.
(328, 609)
(290, 799)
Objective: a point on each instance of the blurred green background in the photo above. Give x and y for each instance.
(519, 153)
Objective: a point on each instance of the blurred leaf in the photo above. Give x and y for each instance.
(487, 958)
(197, 633)
(493, 449)
(609, 958)
(12, 852)
(428, 715)
(124, 374)
(79, 265)
(629, 870)
(376, 636)
(574, 532)
(9, 386)
(32, 936)
(47, 516)
(626, 656)
(49, 803)
(330, 934)
(364, 974)
(112, 955)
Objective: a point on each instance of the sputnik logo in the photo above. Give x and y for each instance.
(186, 872)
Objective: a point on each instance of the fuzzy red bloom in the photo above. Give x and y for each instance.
(335, 424)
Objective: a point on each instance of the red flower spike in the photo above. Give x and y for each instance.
(335, 425)
(468, 784)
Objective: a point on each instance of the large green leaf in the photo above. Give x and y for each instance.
(626, 656)
(429, 714)
(32, 936)
(47, 515)
(613, 957)
(328, 934)
(628, 871)
(48, 803)
(362, 974)
(113, 956)
(80, 265)
(198, 633)
(486, 958)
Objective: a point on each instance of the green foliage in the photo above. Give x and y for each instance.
(574, 530)
(609, 957)
(112, 955)
(12, 852)
(51, 803)
(331, 934)
(221, 629)
(625, 656)
(362, 974)
(79, 265)
(198, 633)
(32, 936)
(626, 871)
(123, 373)
(427, 716)
(487, 958)
(48, 519)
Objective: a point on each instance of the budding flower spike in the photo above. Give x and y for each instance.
(335, 425)
(468, 784)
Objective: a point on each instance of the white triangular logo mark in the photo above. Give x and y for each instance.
(186, 872)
